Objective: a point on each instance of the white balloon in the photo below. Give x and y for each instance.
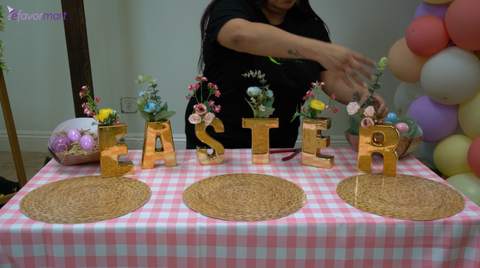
(451, 76)
(406, 93)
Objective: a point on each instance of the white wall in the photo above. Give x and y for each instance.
(132, 37)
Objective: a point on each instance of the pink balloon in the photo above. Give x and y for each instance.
(473, 156)
(463, 23)
(427, 35)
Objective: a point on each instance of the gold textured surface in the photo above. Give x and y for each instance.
(244, 197)
(369, 143)
(313, 142)
(150, 154)
(401, 197)
(85, 199)
(218, 154)
(110, 150)
(260, 137)
(406, 146)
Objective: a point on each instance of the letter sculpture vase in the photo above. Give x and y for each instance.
(313, 142)
(218, 154)
(162, 131)
(260, 137)
(110, 149)
(369, 144)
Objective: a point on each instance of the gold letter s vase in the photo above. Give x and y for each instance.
(218, 154)
(163, 131)
(260, 137)
(313, 142)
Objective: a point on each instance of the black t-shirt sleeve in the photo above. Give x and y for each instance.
(222, 12)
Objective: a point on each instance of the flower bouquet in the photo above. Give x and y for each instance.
(103, 117)
(367, 116)
(261, 98)
(150, 105)
(313, 107)
(204, 110)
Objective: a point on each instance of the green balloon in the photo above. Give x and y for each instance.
(468, 184)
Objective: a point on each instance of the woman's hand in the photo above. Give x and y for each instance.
(345, 63)
(379, 105)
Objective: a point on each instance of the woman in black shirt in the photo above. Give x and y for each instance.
(290, 44)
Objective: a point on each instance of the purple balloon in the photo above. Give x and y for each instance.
(87, 142)
(437, 120)
(438, 10)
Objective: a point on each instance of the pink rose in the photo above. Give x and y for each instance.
(369, 111)
(201, 109)
(367, 122)
(352, 108)
(208, 118)
(194, 119)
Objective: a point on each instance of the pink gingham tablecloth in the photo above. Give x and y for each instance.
(326, 232)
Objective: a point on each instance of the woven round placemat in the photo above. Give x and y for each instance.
(401, 197)
(85, 199)
(244, 197)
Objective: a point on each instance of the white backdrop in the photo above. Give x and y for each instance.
(132, 37)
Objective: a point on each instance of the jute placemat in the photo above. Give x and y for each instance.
(401, 197)
(85, 199)
(244, 197)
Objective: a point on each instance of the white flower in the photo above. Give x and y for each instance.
(208, 118)
(262, 108)
(369, 111)
(194, 118)
(253, 99)
(269, 93)
(253, 91)
(352, 108)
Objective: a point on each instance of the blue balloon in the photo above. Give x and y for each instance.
(391, 117)
(427, 149)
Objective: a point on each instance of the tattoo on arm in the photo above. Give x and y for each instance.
(356, 96)
(294, 53)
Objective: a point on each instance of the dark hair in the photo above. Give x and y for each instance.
(302, 5)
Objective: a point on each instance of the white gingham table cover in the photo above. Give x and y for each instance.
(326, 232)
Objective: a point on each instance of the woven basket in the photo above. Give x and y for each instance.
(401, 197)
(244, 197)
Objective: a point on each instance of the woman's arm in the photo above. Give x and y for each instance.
(266, 40)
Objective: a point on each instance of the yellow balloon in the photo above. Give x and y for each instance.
(450, 155)
(403, 63)
(467, 184)
(469, 116)
(437, 1)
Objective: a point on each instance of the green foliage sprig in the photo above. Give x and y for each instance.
(150, 104)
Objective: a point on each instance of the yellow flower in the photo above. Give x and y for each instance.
(317, 105)
(103, 114)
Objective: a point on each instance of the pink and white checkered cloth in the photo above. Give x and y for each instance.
(326, 232)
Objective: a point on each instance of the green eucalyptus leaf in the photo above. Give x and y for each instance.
(163, 115)
(265, 114)
(145, 116)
